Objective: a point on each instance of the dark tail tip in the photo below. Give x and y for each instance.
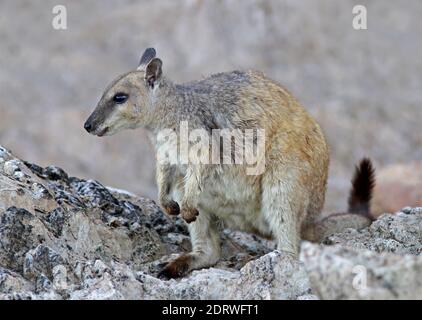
(363, 184)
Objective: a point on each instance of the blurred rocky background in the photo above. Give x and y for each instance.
(364, 87)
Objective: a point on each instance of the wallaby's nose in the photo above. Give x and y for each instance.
(88, 126)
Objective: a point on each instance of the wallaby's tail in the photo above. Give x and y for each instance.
(363, 184)
(358, 215)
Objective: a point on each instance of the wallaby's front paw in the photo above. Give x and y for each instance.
(171, 207)
(189, 214)
(176, 268)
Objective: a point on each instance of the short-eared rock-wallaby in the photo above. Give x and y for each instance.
(283, 201)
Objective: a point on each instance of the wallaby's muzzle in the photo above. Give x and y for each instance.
(92, 126)
(88, 126)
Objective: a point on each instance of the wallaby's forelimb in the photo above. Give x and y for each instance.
(165, 176)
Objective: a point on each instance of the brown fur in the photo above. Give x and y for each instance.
(363, 184)
(189, 214)
(171, 208)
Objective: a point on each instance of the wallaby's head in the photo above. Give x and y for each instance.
(127, 102)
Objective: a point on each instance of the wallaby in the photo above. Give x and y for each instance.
(283, 201)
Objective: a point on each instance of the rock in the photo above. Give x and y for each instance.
(400, 233)
(62, 237)
(68, 238)
(402, 180)
(41, 260)
(11, 166)
(11, 282)
(4, 153)
(338, 272)
(273, 276)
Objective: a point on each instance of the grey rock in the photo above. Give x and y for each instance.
(400, 233)
(11, 167)
(70, 238)
(41, 260)
(409, 210)
(338, 272)
(63, 237)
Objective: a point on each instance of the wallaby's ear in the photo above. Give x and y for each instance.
(146, 58)
(153, 72)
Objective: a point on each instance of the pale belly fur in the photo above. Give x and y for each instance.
(236, 201)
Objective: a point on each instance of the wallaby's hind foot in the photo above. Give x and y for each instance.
(176, 268)
(206, 248)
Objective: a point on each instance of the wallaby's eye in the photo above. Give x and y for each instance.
(120, 98)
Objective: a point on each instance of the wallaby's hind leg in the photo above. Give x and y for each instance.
(206, 249)
(283, 210)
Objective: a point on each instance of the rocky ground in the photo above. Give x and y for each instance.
(66, 238)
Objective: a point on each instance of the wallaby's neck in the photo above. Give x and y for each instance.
(173, 103)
